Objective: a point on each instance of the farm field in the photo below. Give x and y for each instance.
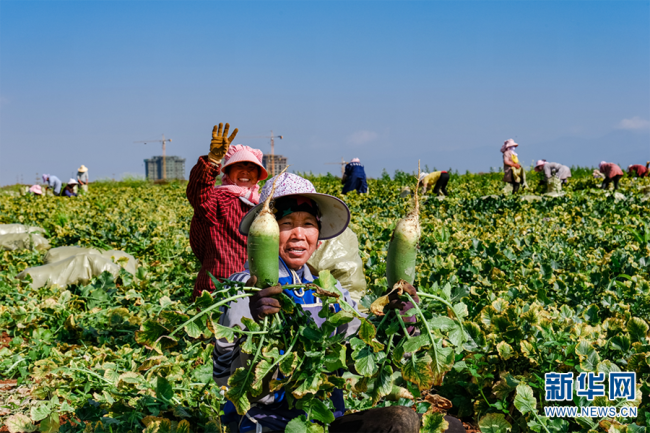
(537, 285)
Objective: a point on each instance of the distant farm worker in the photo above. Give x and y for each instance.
(68, 191)
(82, 177)
(354, 177)
(36, 190)
(553, 171)
(52, 182)
(612, 172)
(304, 217)
(214, 233)
(638, 169)
(437, 180)
(513, 173)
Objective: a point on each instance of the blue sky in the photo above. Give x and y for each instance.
(388, 82)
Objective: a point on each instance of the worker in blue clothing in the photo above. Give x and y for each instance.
(53, 182)
(354, 177)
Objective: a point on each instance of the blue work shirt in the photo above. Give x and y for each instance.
(355, 178)
(54, 183)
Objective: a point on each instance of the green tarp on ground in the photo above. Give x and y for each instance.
(21, 237)
(75, 265)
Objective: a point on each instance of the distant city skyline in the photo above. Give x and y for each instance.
(387, 82)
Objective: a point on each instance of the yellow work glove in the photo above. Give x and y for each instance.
(220, 142)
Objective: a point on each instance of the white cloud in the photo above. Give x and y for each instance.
(634, 123)
(362, 137)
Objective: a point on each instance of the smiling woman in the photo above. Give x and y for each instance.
(214, 234)
(245, 174)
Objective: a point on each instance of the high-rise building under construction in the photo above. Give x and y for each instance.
(175, 168)
(279, 163)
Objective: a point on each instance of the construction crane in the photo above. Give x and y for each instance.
(164, 142)
(272, 137)
(342, 164)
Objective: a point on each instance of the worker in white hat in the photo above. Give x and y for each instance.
(82, 177)
(68, 191)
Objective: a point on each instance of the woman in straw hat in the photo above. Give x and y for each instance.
(82, 177)
(214, 234)
(305, 217)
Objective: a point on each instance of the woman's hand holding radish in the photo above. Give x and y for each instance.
(263, 303)
(395, 303)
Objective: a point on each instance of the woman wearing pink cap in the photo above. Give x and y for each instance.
(553, 169)
(214, 232)
(36, 190)
(512, 172)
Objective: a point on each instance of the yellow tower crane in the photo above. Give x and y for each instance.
(342, 164)
(164, 142)
(272, 137)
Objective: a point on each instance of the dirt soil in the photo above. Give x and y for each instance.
(5, 339)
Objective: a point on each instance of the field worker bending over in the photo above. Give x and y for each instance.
(612, 172)
(437, 180)
(638, 169)
(214, 234)
(513, 173)
(304, 218)
(553, 170)
(68, 191)
(82, 177)
(354, 177)
(36, 190)
(52, 182)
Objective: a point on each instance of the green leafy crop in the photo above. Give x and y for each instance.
(510, 289)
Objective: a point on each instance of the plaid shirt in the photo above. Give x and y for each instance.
(214, 232)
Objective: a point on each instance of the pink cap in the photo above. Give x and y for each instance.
(36, 189)
(355, 160)
(540, 163)
(241, 153)
(508, 144)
